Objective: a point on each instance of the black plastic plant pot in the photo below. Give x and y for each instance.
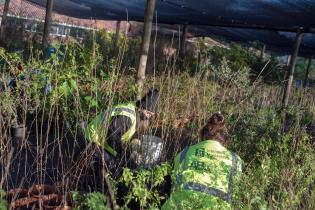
(19, 131)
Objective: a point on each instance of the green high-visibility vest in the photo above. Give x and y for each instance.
(96, 133)
(203, 177)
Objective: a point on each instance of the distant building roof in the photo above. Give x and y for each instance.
(25, 9)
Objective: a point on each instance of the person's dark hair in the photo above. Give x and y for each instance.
(150, 101)
(215, 129)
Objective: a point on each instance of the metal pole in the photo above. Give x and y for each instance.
(145, 45)
(307, 71)
(287, 91)
(48, 20)
(4, 18)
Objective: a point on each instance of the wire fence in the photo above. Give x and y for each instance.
(24, 16)
(26, 10)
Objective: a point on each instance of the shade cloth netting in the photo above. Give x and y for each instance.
(286, 15)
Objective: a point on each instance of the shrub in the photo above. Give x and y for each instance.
(225, 75)
(92, 201)
(143, 185)
(3, 203)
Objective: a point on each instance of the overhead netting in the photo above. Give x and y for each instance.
(235, 20)
(276, 13)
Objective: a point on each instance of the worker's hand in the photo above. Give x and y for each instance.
(135, 145)
(148, 114)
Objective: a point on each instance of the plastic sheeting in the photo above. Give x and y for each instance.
(285, 15)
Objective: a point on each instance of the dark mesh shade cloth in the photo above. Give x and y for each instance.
(277, 13)
(234, 16)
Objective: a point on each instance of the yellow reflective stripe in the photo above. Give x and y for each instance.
(94, 128)
(208, 190)
(192, 185)
(127, 114)
(118, 110)
(128, 111)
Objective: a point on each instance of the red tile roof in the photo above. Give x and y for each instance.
(26, 9)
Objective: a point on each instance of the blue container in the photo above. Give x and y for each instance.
(50, 51)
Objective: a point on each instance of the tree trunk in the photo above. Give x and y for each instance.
(145, 45)
(307, 71)
(48, 20)
(291, 68)
(4, 19)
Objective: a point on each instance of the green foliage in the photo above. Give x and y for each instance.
(237, 56)
(3, 203)
(279, 166)
(92, 201)
(89, 79)
(242, 60)
(256, 130)
(279, 181)
(224, 74)
(143, 185)
(127, 49)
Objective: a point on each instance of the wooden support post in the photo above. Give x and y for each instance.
(288, 60)
(287, 91)
(48, 20)
(184, 39)
(145, 45)
(183, 43)
(262, 52)
(307, 71)
(127, 29)
(115, 47)
(4, 18)
(287, 66)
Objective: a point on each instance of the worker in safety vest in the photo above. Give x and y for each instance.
(112, 132)
(204, 173)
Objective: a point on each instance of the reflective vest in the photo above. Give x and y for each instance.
(203, 177)
(96, 133)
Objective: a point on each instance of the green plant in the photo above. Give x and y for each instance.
(143, 185)
(3, 203)
(225, 75)
(91, 201)
(238, 58)
(278, 165)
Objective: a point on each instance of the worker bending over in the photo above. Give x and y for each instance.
(204, 173)
(114, 130)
